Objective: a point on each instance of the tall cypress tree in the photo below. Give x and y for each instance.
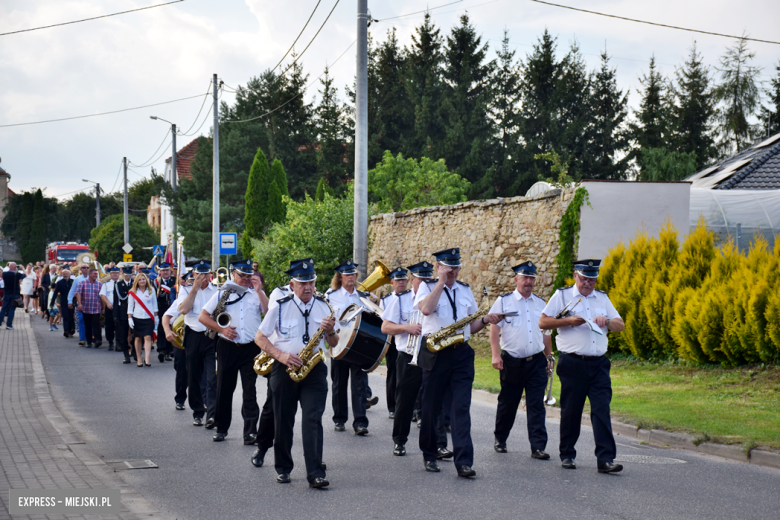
(25, 227)
(424, 89)
(651, 128)
(257, 205)
(331, 136)
(609, 138)
(770, 115)
(693, 109)
(467, 96)
(280, 176)
(739, 96)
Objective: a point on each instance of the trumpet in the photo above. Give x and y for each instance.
(549, 400)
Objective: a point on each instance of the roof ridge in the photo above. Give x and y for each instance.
(753, 166)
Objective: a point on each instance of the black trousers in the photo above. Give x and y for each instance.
(200, 361)
(519, 375)
(391, 381)
(453, 371)
(121, 328)
(68, 323)
(340, 374)
(312, 394)
(92, 328)
(163, 345)
(110, 326)
(409, 380)
(182, 378)
(232, 359)
(581, 378)
(267, 428)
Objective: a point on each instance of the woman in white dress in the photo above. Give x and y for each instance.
(26, 288)
(142, 324)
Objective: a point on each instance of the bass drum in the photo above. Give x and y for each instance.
(360, 339)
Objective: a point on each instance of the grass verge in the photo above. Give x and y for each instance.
(716, 404)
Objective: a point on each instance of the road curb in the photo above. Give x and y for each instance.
(661, 438)
(131, 499)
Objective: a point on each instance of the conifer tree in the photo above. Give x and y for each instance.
(572, 97)
(693, 109)
(331, 135)
(258, 203)
(770, 114)
(651, 127)
(37, 241)
(280, 176)
(278, 211)
(739, 96)
(25, 227)
(609, 144)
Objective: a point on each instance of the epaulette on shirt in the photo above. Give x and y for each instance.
(507, 294)
(462, 283)
(602, 292)
(330, 290)
(539, 297)
(283, 288)
(285, 299)
(406, 291)
(364, 294)
(433, 281)
(316, 297)
(387, 296)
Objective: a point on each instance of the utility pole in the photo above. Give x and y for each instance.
(97, 198)
(215, 186)
(174, 182)
(127, 223)
(360, 245)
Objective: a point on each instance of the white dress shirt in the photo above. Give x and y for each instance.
(582, 340)
(135, 310)
(340, 299)
(465, 304)
(521, 336)
(201, 299)
(398, 309)
(108, 291)
(277, 294)
(287, 323)
(245, 314)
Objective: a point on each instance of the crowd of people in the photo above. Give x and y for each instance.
(226, 327)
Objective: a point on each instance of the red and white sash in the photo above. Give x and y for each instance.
(144, 307)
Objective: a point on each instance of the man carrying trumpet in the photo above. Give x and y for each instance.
(523, 355)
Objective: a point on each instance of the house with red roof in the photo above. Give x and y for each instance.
(158, 212)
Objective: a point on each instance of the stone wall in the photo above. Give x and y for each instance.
(493, 235)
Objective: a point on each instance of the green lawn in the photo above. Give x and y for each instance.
(727, 405)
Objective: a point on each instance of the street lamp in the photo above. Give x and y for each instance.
(174, 182)
(97, 198)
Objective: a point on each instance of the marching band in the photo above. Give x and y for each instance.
(227, 326)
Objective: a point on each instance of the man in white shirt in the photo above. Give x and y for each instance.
(342, 294)
(442, 303)
(293, 322)
(522, 355)
(198, 348)
(582, 366)
(236, 349)
(107, 297)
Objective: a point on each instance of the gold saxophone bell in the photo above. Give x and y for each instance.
(376, 279)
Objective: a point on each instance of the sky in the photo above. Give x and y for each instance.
(170, 52)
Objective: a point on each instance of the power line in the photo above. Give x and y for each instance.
(299, 35)
(312, 40)
(205, 97)
(292, 98)
(103, 113)
(88, 19)
(205, 118)
(118, 173)
(417, 12)
(656, 24)
(146, 162)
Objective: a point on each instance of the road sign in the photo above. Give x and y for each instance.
(127, 248)
(157, 250)
(127, 258)
(228, 243)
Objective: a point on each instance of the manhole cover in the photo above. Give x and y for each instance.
(648, 459)
(132, 464)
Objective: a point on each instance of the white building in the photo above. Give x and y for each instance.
(184, 159)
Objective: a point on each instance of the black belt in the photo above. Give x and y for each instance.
(580, 356)
(188, 329)
(237, 344)
(525, 359)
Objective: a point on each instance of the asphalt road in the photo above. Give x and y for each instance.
(127, 413)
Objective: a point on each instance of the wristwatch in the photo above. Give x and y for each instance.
(332, 334)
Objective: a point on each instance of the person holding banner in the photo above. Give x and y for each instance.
(142, 317)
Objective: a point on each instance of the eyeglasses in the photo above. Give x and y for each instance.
(242, 275)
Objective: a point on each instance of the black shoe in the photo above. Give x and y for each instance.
(323, 466)
(399, 450)
(257, 457)
(147, 364)
(283, 478)
(361, 430)
(499, 446)
(610, 467)
(541, 455)
(126, 361)
(139, 366)
(432, 465)
(179, 406)
(443, 453)
(210, 423)
(161, 357)
(219, 436)
(339, 427)
(90, 345)
(415, 416)
(371, 402)
(198, 421)
(568, 464)
(391, 415)
(98, 344)
(110, 346)
(319, 482)
(168, 357)
(250, 438)
(466, 472)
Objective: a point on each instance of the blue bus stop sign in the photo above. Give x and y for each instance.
(228, 243)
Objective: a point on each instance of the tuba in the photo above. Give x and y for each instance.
(376, 279)
(178, 330)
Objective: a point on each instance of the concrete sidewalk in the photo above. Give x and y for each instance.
(38, 447)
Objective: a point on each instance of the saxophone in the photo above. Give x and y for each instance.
(449, 335)
(218, 313)
(310, 360)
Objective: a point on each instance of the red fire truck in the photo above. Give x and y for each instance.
(69, 253)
